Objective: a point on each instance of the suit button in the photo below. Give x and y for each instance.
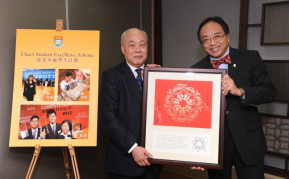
(227, 112)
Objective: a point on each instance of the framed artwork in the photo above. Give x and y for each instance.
(183, 116)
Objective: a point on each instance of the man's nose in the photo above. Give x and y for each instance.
(137, 48)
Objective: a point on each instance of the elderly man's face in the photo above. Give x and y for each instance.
(214, 48)
(134, 48)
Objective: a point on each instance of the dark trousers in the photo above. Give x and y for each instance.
(148, 174)
(30, 97)
(232, 157)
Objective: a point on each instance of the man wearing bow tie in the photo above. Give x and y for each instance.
(246, 84)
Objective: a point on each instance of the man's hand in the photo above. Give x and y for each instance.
(228, 86)
(74, 135)
(63, 90)
(42, 134)
(19, 134)
(197, 168)
(140, 155)
(153, 65)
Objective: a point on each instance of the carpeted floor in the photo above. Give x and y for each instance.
(267, 176)
(165, 174)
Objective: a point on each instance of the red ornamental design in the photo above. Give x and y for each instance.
(183, 103)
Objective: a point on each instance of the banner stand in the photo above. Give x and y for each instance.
(33, 161)
(73, 161)
(66, 162)
(59, 24)
(67, 168)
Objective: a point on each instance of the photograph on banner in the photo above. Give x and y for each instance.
(38, 84)
(54, 122)
(74, 85)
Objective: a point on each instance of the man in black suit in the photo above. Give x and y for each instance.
(52, 129)
(34, 132)
(246, 84)
(121, 112)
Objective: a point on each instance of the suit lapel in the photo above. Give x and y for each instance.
(58, 127)
(38, 133)
(207, 62)
(30, 133)
(233, 68)
(50, 130)
(129, 78)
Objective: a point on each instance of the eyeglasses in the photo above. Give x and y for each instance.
(34, 121)
(216, 37)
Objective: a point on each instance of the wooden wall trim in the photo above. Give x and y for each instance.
(244, 7)
(243, 25)
(157, 32)
(254, 25)
(276, 171)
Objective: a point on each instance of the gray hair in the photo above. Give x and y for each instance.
(124, 33)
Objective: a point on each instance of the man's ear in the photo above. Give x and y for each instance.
(228, 37)
(122, 49)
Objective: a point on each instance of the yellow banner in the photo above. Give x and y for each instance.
(55, 94)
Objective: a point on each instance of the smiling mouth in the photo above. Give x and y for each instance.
(215, 49)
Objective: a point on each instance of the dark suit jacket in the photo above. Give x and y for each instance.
(243, 118)
(31, 135)
(120, 105)
(29, 92)
(50, 135)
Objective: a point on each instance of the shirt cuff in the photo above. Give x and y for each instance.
(243, 99)
(131, 149)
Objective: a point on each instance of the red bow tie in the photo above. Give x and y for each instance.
(217, 63)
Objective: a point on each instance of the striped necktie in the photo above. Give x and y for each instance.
(53, 130)
(35, 135)
(139, 78)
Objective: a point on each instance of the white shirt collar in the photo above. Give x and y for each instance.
(53, 125)
(32, 130)
(68, 133)
(132, 68)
